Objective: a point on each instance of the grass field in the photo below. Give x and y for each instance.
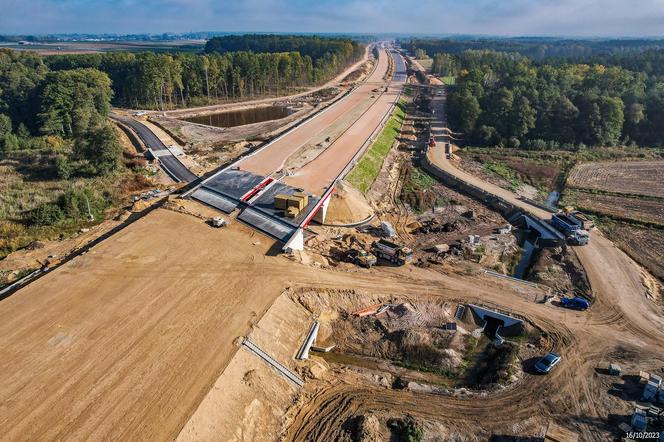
(366, 170)
(450, 80)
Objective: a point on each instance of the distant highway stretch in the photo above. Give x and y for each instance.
(168, 161)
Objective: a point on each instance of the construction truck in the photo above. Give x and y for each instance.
(584, 221)
(392, 252)
(571, 228)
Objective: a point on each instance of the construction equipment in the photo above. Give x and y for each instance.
(392, 252)
(367, 311)
(583, 220)
(571, 228)
(639, 420)
(387, 229)
(361, 258)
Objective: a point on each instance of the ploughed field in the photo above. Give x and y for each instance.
(632, 194)
(643, 210)
(632, 177)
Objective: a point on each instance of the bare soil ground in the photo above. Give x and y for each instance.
(119, 326)
(140, 326)
(641, 183)
(539, 171)
(357, 400)
(645, 210)
(560, 269)
(645, 245)
(631, 177)
(347, 205)
(407, 342)
(521, 188)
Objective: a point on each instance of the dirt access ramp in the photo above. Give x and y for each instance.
(127, 339)
(250, 398)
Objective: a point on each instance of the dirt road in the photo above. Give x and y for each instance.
(123, 342)
(319, 174)
(573, 395)
(273, 157)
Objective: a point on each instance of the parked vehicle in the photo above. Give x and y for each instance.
(218, 222)
(392, 252)
(575, 303)
(546, 364)
(571, 228)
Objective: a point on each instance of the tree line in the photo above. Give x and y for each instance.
(60, 111)
(311, 46)
(509, 100)
(536, 48)
(168, 80)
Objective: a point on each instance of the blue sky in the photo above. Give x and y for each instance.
(494, 17)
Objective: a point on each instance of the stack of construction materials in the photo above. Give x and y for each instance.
(293, 204)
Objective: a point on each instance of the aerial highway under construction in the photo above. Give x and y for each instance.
(251, 183)
(171, 329)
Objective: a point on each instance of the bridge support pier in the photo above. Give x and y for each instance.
(320, 215)
(296, 242)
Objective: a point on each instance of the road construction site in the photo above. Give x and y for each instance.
(253, 183)
(215, 334)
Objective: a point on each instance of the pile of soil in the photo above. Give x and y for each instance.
(560, 269)
(494, 366)
(409, 335)
(347, 205)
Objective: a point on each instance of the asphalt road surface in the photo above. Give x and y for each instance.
(168, 161)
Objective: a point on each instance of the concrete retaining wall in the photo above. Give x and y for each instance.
(507, 209)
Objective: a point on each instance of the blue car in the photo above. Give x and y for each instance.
(576, 303)
(547, 363)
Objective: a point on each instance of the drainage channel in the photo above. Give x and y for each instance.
(271, 361)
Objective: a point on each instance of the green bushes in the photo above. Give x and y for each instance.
(366, 170)
(72, 206)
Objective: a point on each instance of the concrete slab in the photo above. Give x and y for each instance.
(215, 200)
(267, 224)
(483, 313)
(233, 183)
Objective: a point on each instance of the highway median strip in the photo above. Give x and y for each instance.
(366, 170)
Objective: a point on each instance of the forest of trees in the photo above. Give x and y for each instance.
(63, 111)
(167, 80)
(506, 99)
(314, 47)
(533, 47)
